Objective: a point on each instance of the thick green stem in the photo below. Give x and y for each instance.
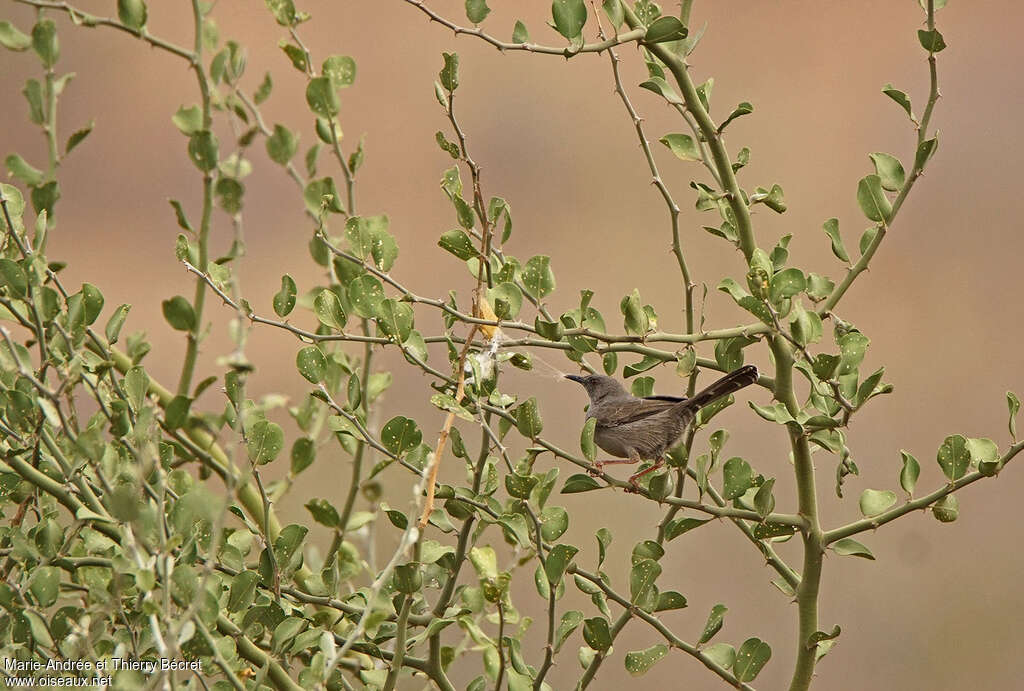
(357, 459)
(203, 249)
(807, 500)
(744, 226)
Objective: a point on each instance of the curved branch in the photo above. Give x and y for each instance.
(567, 51)
(916, 504)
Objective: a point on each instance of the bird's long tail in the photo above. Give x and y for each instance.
(730, 383)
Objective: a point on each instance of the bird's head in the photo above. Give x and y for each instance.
(599, 386)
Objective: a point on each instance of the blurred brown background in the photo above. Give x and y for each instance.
(940, 608)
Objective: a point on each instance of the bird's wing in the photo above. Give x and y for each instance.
(623, 412)
(674, 399)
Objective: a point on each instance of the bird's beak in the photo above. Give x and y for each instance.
(576, 378)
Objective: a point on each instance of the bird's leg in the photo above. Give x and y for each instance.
(633, 478)
(634, 457)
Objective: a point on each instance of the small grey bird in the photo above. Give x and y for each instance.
(635, 429)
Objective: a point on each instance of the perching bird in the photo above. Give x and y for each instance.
(635, 429)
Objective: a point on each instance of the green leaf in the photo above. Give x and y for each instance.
(295, 54)
(752, 656)
(282, 145)
(558, 561)
(597, 634)
(580, 483)
(263, 91)
(179, 314)
(13, 277)
(369, 237)
(132, 13)
(722, 654)
(395, 319)
(569, 16)
(805, 325)
(947, 509)
(984, 454)
(909, 474)
(312, 364)
(831, 228)
(900, 98)
(322, 97)
(737, 478)
(678, 526)
(446, 402)
(37, 627)
(33, 93)
(21, 170)
(77, 137)
(458, 243)
(954, 458)
(852, 349)
(136, 385)
(243, 591)
(554, 521)
(773, 198)
(925, 151)
(764, 500)
(637, 367)
(868, 238)
(116, 321)
(613, 10)
(13, 39)
(570, 621)
(408, 579)
(931, 40)
(302, 455)
(636, 320)
(742, 109)
(265, 440)
(641, 579)
(848, 547)
(786, 284)
(638, 662)
(1013, 404)
(322, 194)
(659, 86)
(203, 150)
(519, 33)
(283, 11)
(45, 585)
(666, 28)
(324, 513)
(328, 310)
(284, 299)
(340, 69)
(45, 43)
(587, 439)
(889, 171)
(477, 10)
(872, 199)
(528, 420)
(714, 623)
(45, 196)
(400, 434)
(874, 501)
(669, 600)
(449, 74)
(538, 279)
(176, 413)
(682, 145)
